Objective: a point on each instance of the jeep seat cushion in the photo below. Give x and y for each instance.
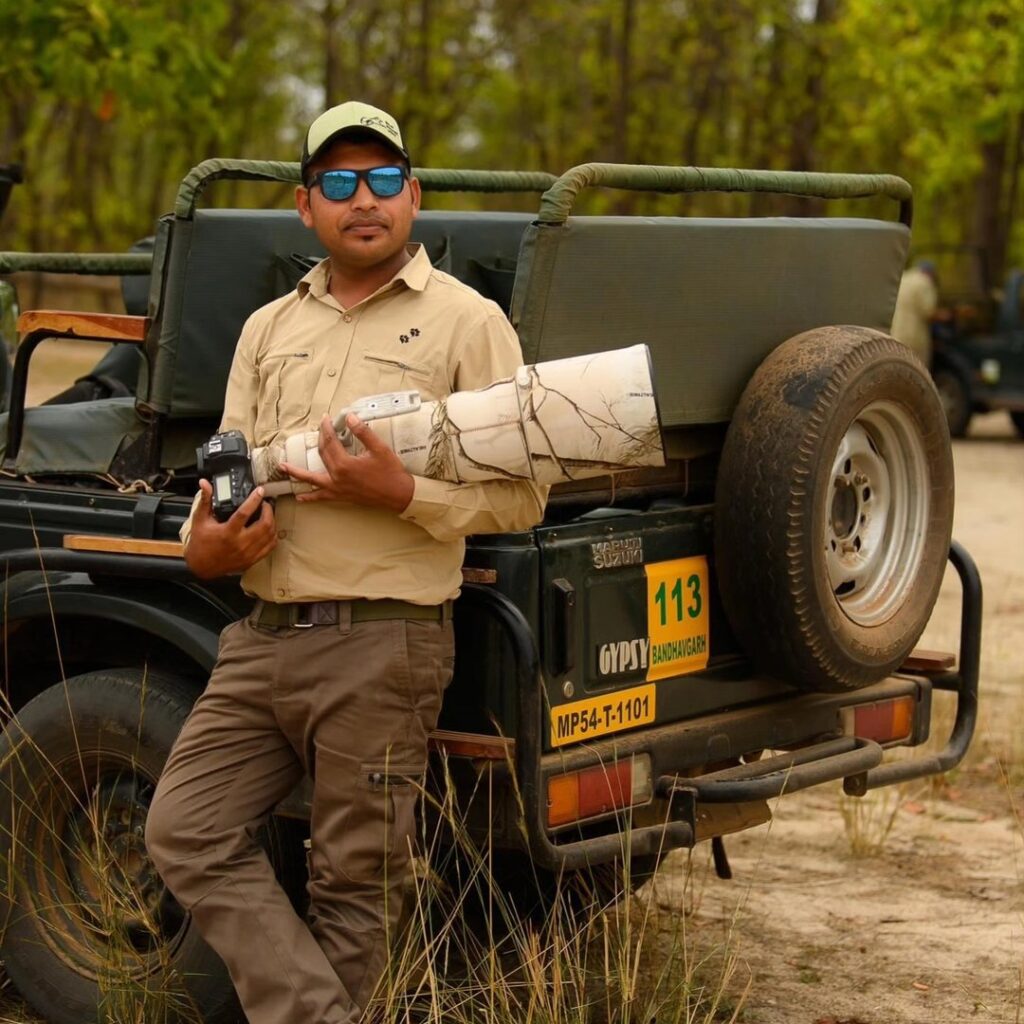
(82, 437)
(710, 297)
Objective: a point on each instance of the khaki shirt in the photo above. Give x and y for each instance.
(303, 355)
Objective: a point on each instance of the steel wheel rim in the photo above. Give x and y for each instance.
(876, 513)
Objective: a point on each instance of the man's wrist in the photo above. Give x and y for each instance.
(404, 493)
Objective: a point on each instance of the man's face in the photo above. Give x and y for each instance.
(364, 231)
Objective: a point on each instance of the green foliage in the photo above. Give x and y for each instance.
(108, 103)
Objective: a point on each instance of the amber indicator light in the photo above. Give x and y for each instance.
(887, 721)
(599, 790)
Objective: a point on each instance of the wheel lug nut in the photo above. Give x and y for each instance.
(860, 479)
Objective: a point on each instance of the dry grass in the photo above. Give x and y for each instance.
(868, 820)
(470, 955)
(467, 953)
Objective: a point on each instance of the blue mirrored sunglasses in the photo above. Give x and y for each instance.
(384, 182)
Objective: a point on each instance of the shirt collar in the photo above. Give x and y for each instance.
(415, 274)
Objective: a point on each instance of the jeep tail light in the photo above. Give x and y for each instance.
(602, 789)
(887, 721)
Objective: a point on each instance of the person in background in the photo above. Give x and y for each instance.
(916, 304)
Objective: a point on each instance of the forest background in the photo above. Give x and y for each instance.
(108, 103)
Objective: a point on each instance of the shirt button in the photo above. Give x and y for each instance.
(331, 372)
(348, 318)
(280, 591)
(282, 534)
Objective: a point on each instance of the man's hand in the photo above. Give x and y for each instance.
(220, 549)
(374, 477)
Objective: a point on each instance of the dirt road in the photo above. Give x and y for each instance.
(931, 927)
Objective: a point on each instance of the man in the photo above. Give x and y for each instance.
(915, 306)
(369, 561)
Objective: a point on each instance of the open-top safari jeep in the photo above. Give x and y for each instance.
(621, 669)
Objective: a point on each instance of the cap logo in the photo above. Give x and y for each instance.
(379, 122)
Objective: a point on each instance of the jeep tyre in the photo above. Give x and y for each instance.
(834, 508)
(92, 933)
(956, 399)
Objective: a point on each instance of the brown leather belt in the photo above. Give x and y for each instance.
(302, 614)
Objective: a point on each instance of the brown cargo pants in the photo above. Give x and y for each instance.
(351, 704)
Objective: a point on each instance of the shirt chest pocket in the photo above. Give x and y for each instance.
(285, 393)
(385, 371)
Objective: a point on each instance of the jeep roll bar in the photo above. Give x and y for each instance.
(432, 179)
(557, 201)
(559, 195)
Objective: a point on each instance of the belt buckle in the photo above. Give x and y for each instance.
(298, 623)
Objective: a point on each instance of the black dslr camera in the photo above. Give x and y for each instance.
(224, 461)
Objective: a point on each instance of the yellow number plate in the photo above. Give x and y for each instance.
(612, 712)
(677, 616)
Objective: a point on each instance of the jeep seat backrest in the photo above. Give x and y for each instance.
(211, 271)
(710, 297)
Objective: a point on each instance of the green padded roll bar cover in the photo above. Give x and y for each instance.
(434, 179)
(557, 202)
(115, 263)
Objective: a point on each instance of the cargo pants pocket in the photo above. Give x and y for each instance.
(364, 817)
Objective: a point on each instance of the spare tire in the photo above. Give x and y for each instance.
(834, 508)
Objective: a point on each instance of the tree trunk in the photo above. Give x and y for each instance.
(1009, 216)
(423, 105)
(705, 73)
(986, 229)
(623, 98)
(332, 66)
(803, 146)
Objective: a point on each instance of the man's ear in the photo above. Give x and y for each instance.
(302, 205)
(416, 194)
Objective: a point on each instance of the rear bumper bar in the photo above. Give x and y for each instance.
(857, 761)
(728, 735)
(963, 682)
(842, 758)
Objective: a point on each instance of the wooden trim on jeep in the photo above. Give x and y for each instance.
(124, 545)
(108, 326)
(477, 745)
(174, 549)
(925, 661)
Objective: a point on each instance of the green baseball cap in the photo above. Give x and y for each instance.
(352, 116)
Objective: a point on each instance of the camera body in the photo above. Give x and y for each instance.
(224, 461)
